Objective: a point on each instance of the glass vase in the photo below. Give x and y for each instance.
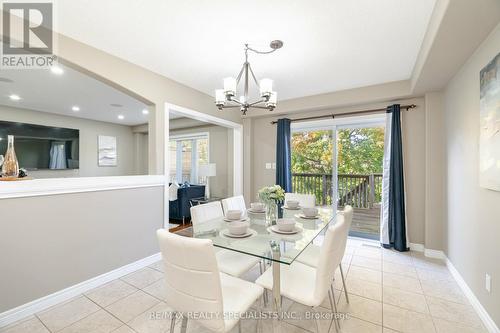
(271, 213)
(10, 166)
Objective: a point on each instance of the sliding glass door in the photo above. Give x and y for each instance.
(340, 162)
(360, 153)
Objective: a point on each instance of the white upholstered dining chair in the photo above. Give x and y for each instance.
(230, 262)
(195, 285)
(311, 285)
(310, 255)
(237, 202)
(305, 200)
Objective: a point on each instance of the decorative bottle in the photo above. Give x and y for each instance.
(10, 167)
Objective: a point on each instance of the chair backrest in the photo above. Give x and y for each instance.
(237, 202)
(330, 256)
(305, 200)
(347, 212)
(192, 277)
(206, 212)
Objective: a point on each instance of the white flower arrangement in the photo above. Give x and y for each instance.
(271, 194)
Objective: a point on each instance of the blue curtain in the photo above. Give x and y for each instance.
(397, 213)
(284, 155)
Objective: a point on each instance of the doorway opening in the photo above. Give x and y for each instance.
(203, 161)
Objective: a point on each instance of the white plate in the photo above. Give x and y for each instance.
(274, 228)
(302, 216)
(289, 208)
(226, 233)
(250, 210)
(240, 220)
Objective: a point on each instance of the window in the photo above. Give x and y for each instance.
(187, 153)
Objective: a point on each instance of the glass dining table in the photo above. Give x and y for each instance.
(264, 242)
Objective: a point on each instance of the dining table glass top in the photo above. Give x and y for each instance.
(258, 244)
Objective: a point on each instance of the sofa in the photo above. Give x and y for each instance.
(180, 209)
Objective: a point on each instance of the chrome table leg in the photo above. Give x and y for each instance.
(275, 247)
(172, 322)
(184, 324)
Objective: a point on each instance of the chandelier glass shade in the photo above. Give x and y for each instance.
(227, 97)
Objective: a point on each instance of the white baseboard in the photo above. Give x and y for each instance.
(45, 302)
(480, 310)
(417, 247)
(430, 253)
(434, 254)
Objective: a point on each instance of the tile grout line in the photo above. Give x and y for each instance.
(161, 300)
(119, 299)
(121, 321)
(81, 295)
(36, 316)
(426, 303)
(130, 284)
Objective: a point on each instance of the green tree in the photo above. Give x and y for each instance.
(359, 151)
(312, 152)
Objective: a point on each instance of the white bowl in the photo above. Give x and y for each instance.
(310, 211)
(257, 206)
(285, 225)
(292, 203)
(234, 214)
(238, 228)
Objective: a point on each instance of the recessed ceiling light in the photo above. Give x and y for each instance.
(75, 108)
(145, 111)
(57, 70)
(14, 97)
(121, 117)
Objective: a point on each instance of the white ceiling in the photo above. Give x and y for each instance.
(45, 91)
(330, 45)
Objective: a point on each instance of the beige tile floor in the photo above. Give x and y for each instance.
(388, 292)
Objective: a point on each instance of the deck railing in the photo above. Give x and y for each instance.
(359, 191)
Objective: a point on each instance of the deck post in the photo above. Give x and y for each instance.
(324, 186)
(371, 181)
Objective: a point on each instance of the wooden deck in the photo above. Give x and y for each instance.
(366, 222)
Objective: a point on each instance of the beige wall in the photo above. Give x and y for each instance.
(473, 213)
(220, 152)
(149, 87)
(262, 142)
(49, 243)
(434, 171)
(89, 131)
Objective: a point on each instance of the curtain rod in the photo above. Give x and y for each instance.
(346, 114)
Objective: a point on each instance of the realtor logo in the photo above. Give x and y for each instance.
(28, 39)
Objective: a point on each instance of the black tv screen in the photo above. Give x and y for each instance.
(42, 147)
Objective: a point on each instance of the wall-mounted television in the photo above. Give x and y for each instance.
(42, 147)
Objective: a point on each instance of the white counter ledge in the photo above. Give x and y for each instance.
(53, 186)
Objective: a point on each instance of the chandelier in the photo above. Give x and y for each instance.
(226, 98)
